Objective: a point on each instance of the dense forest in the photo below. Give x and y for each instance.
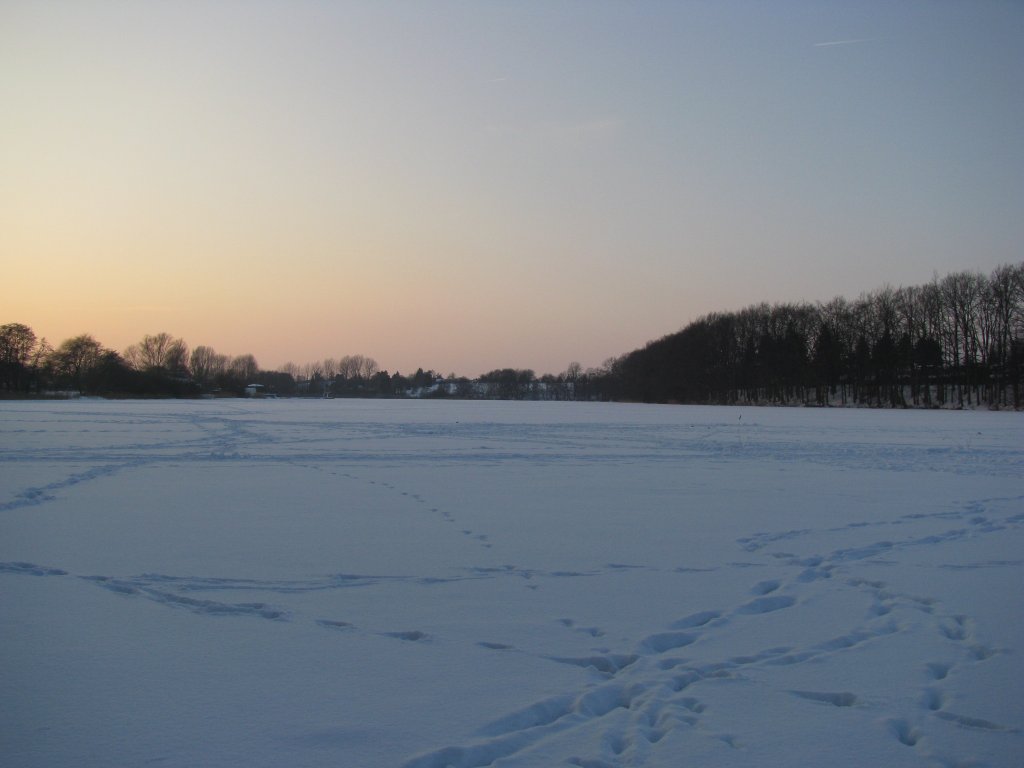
(956, 341)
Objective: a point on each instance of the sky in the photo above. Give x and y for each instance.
(465, 186)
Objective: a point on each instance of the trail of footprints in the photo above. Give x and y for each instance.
(651, 691)
(481, 538)
(646, 692)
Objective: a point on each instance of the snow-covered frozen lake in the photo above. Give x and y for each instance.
(427, 584)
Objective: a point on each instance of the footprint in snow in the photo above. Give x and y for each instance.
(933, 699)
(905, 732)
(767, 604)
(413, 636)
(938, 670)
(607, 665)
(495, 646)
(335, 625)
(695, 620)
(667, 641)
(841, 699)
(954, 627)
(765, 587)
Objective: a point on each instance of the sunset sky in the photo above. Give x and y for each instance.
(472, 185)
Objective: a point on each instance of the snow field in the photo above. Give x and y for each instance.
(513, 584)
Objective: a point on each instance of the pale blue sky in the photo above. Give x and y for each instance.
(471, 185)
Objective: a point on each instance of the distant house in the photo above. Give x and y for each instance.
(254, 390)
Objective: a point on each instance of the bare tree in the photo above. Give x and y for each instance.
(1006, 298)
(357, 367)
(75, 358)
(368, 368)
(17, 344)
(244, 368)
(160, 353)
(348, 367)
(206, 365)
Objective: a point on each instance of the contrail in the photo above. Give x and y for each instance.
(843, 42)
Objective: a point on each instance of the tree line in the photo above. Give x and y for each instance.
(161, 365)
(953, 342)
(158, 365)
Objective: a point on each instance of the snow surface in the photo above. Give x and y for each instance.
(426, 584)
